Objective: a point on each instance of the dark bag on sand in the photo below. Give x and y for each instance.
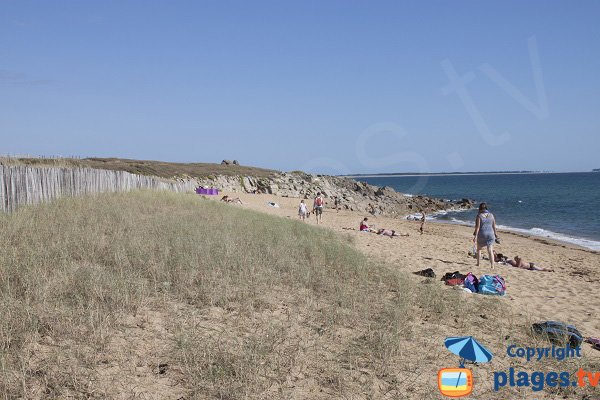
(559, 333)
(455, 281)
(426, 272)
(454, 277)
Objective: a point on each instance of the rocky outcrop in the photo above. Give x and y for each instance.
(354, 195)
(229, 162)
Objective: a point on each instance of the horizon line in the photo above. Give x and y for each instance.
(402, 174)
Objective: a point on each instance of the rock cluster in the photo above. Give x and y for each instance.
(354, 195)
(229, 162)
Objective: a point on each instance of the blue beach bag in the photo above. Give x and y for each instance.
(492, 285)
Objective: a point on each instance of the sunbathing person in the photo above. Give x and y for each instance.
(519, 263)
(499, 257)
(390, 232)
(228, 199)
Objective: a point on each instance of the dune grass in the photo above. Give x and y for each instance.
(70, 269)
(252, 306)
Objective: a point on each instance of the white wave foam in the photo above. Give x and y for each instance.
(459, 221)
(415, 217)
(539, 232)
(431, 217)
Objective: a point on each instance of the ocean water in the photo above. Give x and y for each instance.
(561, 206)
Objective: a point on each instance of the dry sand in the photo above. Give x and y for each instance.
(568, 294)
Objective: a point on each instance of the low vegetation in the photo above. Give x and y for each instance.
(145, 167)
(158, 295)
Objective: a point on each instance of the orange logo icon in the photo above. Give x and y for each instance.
(455, 382)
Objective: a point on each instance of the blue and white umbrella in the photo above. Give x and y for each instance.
(468, 348)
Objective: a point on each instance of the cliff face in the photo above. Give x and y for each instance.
(354, 196)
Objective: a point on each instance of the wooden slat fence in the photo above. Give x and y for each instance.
(21, 185)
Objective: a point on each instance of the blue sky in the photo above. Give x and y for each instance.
(324, 86)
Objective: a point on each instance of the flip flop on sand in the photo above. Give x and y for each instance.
(429, 273)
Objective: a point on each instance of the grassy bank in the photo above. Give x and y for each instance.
(161, 169)
(172, 296)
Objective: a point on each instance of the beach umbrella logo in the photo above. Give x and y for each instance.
(467, 348)
(458, 382)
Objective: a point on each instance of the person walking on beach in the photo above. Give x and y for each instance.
(485, 233)
(318, 207)
(302, 210)
(337, 203)
(422, 221)
(371, 209)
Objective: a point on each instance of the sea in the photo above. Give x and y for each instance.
(559, 206)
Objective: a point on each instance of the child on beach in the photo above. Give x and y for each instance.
(337, 203)
(422, 221)
(302, 210)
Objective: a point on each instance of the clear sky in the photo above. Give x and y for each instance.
(325, 86)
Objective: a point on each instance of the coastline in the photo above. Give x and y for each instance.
(542, 205)
(554, 238)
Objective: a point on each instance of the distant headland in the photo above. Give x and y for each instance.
(395, 174)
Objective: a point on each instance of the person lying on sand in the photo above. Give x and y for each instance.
(390, 232)
(228, 199)
(499, 257)
(519, 263)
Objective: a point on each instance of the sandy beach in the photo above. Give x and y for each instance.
(568, 294)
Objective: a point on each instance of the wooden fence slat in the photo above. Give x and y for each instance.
(21, 185)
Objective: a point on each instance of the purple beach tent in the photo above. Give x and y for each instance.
(207, 191)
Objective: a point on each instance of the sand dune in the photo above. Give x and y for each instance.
(569, 294)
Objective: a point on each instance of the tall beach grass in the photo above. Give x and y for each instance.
(254, 306)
